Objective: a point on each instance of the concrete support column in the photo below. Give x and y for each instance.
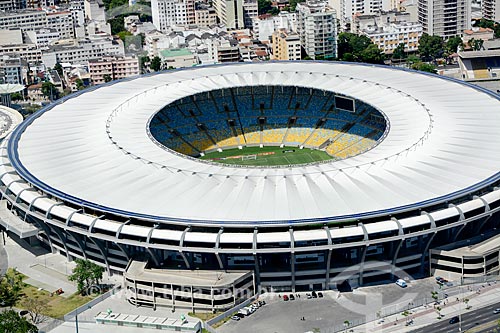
(154, 296)
(362, 265)
(328, 260)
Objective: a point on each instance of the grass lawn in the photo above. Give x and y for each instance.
(274, 156)
(57, 306)
(209, 315)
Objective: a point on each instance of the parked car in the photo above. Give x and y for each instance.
(292, 298)
(244, 312)
(320, 294)
(262, 303)
(496, 311)
(454, 320)
(285, 297)
(401, 283)
(236, 318)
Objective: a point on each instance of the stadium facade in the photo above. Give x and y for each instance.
(88, 177)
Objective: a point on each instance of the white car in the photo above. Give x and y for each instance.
(496, 311)
(401, 283)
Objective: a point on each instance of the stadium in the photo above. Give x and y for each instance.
(280, 175)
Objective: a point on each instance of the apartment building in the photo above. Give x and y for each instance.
(317, 28)
(80, 51)
(114, 67)
(23, 19)
(168, 13)
(11, 70)
(491, 9)
(265, 25)
(389, 29)
(205, 16)
(346, 9)
(62, 22)
(445, 18)
(286, 45)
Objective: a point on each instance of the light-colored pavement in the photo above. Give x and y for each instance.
(425, 315)
(330, 311)
(4, 262)
(95, 328)
(118, 304)
(44, 269)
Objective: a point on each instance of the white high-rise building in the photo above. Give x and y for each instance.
(230, 13)
(317, 28)
(250, 12)
(445, 18)
(490, 9)
(347, 8)
(167, 13)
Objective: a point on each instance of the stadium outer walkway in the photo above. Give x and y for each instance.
(426, 315)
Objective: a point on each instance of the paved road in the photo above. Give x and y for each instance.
(470, 319)
(325, 313)
(3, 257)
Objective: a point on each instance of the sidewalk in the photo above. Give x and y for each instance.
(425, 315)
(44, 269)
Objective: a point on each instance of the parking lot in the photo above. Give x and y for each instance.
(329, 311)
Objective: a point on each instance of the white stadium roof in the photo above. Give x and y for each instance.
(94, 148)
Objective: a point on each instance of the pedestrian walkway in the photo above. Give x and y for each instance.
(479, 296)
(4, 263)
(44, 269)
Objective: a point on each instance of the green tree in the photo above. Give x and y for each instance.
(430, 47)
(124, 34)
(50, 91)
(107, 78)
(265, 6)
(86, 274)
(79, 84)
(11, 285)
(476, 44)
(117, 24)
(424, 67)
(16, 96)
(12, 322)
(412, 59)
(59, 69)
(155, 64)
(372, 55)
(293, 4)
(453, 44)
(484, 23)
(399, 52)
(143, 61)
(352, 47)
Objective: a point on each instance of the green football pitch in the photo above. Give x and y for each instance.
(267, 156)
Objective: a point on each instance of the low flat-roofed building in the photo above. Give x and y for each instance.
(461, 260)
(191, 289)
(177, 58)
(479, 65)
(11, 37)
(133, 320)
(477, 33)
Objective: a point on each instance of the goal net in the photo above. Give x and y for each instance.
(248, 157)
